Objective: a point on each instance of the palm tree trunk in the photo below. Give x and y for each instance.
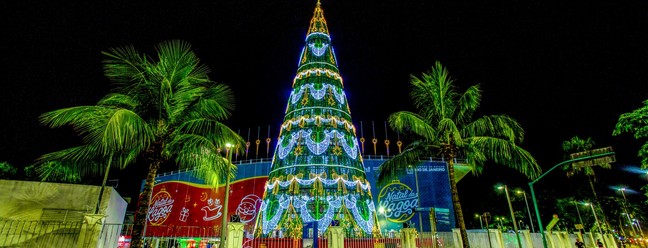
(142, 210)
(456, 204)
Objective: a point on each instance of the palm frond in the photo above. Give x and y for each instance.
(202, 156)
(124, 65)
(119, 100)
(474, 158)
(397, 165)
(449, 132)
(507, 153)
(434, 95)
(499, 126)
(124, 130)
(57, 172)
(215, 131)
(405, 121)
(217, 102)
(84, 160)
(467, 104)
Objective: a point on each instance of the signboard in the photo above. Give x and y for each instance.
(595, 161)
(397, 202)
(579, 226)
(176, 203)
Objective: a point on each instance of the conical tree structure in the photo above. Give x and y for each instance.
(317, 173)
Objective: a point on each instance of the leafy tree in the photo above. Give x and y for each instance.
(162, 109)
(7, 171)
(636, 123)
(445, 127)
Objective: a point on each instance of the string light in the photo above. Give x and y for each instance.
(309, 72)
(318, 51)
(314, 147)
(300, 203)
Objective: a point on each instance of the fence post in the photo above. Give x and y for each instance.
(456, 237)
(335, 237)
(408, 238)
(234, 235)
(527, 238)
(90, 230)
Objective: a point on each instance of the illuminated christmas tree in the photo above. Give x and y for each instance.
(317, 174)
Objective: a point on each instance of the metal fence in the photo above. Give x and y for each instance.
(38, 234)
(44, 234)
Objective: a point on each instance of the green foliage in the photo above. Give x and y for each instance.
(576, 144)
(444, 126)
(162, 109)
(54, 171)
(636, 123)
(7, 171)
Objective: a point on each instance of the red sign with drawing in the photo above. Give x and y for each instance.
(179, 208)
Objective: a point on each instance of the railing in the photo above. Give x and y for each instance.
(43, 234)
(38, 234)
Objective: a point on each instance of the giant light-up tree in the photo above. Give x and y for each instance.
(317, 173)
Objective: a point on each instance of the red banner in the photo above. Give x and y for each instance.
(197, 209)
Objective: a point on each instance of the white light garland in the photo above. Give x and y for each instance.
(317, 148)
(318, 71)
(328, 182)
(318, 33)
(317, 94)
(300, 203)
(367, 224)
(323, 120)
(268, 225)
(318, 51)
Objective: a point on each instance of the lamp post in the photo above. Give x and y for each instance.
(596, 219)
(515, 228)
(578, 212)
(605, 156)
(528, 209)
(625, 207)
(481, 224)
(228, 155)
(501, 225)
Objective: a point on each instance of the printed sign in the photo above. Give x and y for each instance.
(397, 202)
(160, 208)
(176, 204)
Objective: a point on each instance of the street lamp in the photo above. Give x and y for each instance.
(515, 228)
(528, 209)
(595, 219)
(501, 225)
(228, 155)
(603, 155)
(578, 212)
(625, 207)
(480, 220)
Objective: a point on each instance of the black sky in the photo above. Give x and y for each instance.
(561, 68)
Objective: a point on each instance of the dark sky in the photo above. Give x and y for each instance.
(561, 68)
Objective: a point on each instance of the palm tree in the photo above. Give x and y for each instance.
(161, 109)
(444, 127)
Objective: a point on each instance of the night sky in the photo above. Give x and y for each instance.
(560, 68)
